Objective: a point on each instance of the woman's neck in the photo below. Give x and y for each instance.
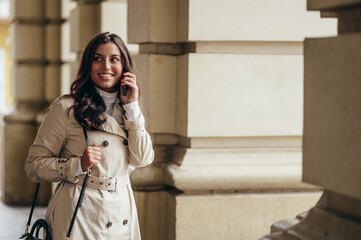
(108, 98)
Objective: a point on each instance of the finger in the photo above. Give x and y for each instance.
(97, 153)
(95, 149)
(93, 157)
(133, 86)
(129, 74)
(95, 162)
(95, 146)
(128, 80)
(96, 157)
(93, 154)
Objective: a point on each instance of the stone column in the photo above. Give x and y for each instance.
(91, 17)
(332, 130)
(40, 38)
(222, 90)
(59, 57)
(27, 36)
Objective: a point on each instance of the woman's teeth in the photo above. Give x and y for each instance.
(105, 75)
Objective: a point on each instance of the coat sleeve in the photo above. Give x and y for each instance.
(140, 145)
(44, 162)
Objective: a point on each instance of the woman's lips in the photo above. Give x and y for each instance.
(105, 75)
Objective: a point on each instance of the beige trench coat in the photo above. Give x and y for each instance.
(54, 156)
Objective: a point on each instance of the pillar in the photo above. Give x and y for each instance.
(332, 131)
(40, 52)
(58, 75)
(222, 87)
(27, 36)
(91, 17)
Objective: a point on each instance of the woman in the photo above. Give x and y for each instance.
(115, 128)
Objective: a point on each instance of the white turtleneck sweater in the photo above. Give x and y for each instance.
(132, 112)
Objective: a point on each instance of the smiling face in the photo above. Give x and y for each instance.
(107, 67)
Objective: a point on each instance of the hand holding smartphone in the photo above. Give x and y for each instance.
(125, 87)
(129, 91)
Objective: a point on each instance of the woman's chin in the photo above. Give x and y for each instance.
(107, 88)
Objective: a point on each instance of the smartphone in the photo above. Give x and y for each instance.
(125, 87)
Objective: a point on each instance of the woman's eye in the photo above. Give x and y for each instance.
(115, 59)
(97, 59)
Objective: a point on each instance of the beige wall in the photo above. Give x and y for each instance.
(331, 129)
(222, 91)
(169, 215)
(331, 91)
(227, 89)
(331, 152)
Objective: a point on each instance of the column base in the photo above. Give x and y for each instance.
(182, 216)
(335, 217)
(16, 188)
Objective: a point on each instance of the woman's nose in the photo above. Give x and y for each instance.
(106, 64)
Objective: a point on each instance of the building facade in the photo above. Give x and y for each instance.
(222, 91)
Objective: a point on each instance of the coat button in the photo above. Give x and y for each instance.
(105, 143)
(125, 142)
(125, 222)
(109, 224)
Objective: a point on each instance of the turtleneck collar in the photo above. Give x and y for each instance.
(108, 98)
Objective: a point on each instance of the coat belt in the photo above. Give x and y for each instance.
(105, 183)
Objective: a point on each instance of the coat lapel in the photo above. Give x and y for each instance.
(114, 123)
(118, 112)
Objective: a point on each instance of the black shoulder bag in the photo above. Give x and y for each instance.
(41, 223)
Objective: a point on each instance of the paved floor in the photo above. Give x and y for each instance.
(13, 220)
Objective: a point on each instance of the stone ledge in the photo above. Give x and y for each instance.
(224, 170)
(331, 4)
(237, 178)
(232, 47)
(335, 216)
(228, 142)
(236, 156)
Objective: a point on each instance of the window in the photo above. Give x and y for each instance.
(2, 80)
(4, 9)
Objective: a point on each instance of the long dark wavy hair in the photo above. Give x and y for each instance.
(88, 105)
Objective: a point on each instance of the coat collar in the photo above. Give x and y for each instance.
(114, 123)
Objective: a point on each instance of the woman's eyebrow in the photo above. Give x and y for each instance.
(110, 55)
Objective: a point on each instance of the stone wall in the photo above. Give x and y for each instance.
(222, 91)
(331, 129)
(223, 95)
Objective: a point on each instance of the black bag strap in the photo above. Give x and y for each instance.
(40, 223)
(32, 208)
(81, 196)
(78, 205)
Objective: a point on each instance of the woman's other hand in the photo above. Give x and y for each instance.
(132, 95)
(91, 157)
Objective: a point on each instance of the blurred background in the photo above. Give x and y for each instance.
(253, 108)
